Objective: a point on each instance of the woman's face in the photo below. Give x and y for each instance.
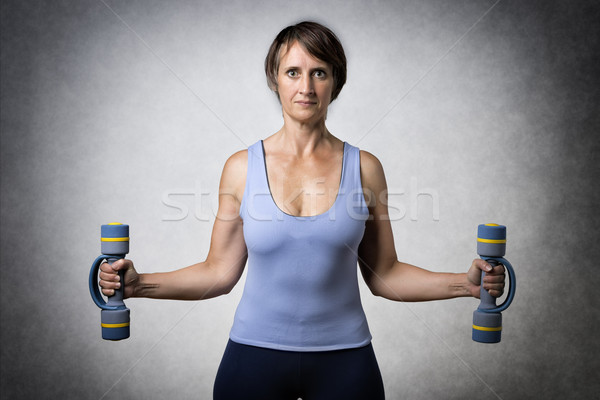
(305, 85)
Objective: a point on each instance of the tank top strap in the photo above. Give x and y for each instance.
(256, 177)
(351, 183)
(257, 169)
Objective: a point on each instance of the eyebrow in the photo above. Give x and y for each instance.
(323, 66)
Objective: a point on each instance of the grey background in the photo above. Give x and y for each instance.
(112, 111)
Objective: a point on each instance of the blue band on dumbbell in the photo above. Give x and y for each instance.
(115, 324)
(114, 238)
(114, 230)
(115, 333)
(491, 232)
(491, 240)
(486, 336)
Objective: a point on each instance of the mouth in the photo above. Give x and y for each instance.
(306, 102)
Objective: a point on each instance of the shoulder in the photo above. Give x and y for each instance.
(369, 163)
(237, 161)
(371, 172)
(233, 178)
(372, 177)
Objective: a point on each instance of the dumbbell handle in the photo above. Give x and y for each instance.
(488, 303)
(115, 302)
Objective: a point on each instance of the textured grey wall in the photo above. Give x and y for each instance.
(113, 110)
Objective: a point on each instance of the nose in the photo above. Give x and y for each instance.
(306, 85)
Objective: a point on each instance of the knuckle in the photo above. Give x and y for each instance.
(107, 284)
(105, 276)
(106, 267)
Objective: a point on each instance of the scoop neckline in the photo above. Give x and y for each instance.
(326, 212)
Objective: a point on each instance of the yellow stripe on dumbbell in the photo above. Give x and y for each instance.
(124, 324)
(491, 240)
(117, 239)
(487, 329)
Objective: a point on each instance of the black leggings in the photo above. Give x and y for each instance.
(248, 372)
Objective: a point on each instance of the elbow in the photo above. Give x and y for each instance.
(373, 289)
(213, 278)
(223, 283)
(379, 293)
(376, 287)
(380, 287)
(386, 293)
(221, 289)
(225, 288)
(380, 278)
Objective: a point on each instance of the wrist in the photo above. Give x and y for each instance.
(460, 286)
(145, 286)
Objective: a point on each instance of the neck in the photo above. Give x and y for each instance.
(302, 138)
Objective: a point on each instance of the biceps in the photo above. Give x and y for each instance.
(376, 251)
(228, 253)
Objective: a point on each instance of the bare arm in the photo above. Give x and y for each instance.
(223, 266)
(395, 280)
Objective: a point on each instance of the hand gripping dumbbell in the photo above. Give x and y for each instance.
(114, 317)
(487, 318)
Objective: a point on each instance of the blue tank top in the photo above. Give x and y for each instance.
(301, 291)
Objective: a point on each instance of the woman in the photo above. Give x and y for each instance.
(302, 207)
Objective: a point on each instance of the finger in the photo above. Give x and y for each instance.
(108, 292)
(107, 272)
(122, 264)
(497, 270)
(106, 267)
(109, 276)
(495, 293)
(493, 286)
(493, 278)
(109, 285)
(482, 265)
(109, 280)
(117, 265)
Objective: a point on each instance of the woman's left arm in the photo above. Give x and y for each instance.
(395, 280)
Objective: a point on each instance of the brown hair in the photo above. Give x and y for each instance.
(319, 41)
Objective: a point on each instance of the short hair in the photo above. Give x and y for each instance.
(319, 41)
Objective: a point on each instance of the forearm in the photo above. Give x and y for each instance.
(196, 282)
(406, 282)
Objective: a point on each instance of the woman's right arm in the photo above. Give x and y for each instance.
(223, 266)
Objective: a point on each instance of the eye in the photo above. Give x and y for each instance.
(292, 73)
(319, 74)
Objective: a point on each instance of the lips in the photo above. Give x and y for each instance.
(306, 102)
